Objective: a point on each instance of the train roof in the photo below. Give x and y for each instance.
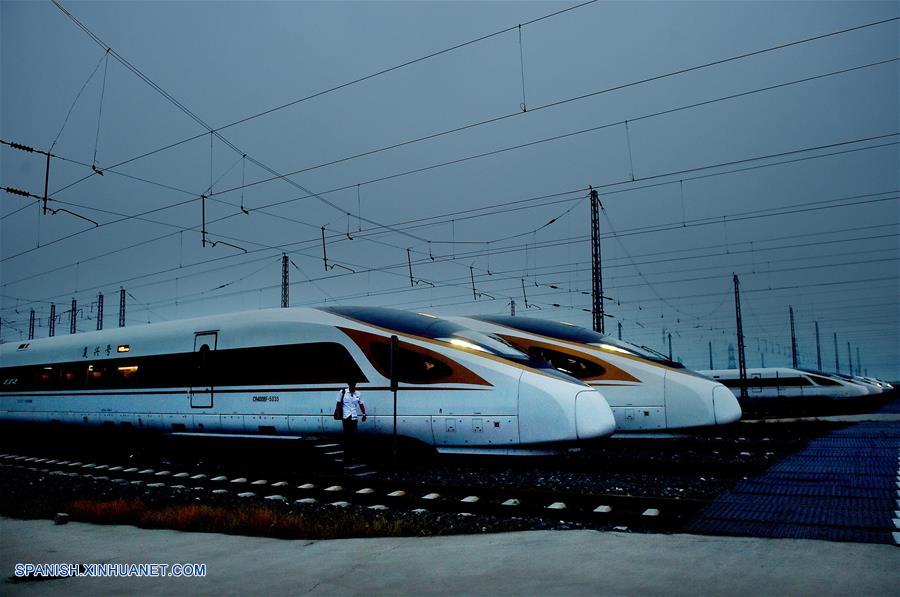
(766, 371)
(570, 332)
(267, 325)
(154, 336)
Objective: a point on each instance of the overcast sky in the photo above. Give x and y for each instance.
(696, 210)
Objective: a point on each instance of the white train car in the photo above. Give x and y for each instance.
(885, 386)
(872, 386)
(647, 392)
(783, 382)
(279, 372)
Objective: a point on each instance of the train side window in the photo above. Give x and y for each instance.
(204, 367)
(168, 370)
(71, 376)
(126, 375)
(575, 366)
(791, 382)
(317, 362)
(46, 377)
(412, 366)
(98, 375)
(823, 381)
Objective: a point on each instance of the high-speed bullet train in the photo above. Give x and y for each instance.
(647, 392)
(885, 386)
(280, 371)
(782, 382)
(871, 386)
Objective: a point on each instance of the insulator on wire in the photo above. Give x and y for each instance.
(17, 191)
(21, 147)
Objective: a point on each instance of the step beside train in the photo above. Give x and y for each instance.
(278, 372)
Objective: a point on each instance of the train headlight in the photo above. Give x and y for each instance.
(460, 343)
(614, 348)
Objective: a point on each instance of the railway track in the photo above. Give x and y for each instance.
(311, 477)
(604, 509)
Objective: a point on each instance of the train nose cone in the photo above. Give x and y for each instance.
(725, 406)
(593, 416)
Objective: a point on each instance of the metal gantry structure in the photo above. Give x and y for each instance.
(794, 359)
(121, 307)
(100, 311)
(285, 282)
(818, 349)
(596, 267)
(72, 314)
(837, 363)
(742, 362)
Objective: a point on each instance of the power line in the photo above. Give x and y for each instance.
(668, 111)
(512, 114)
(578, 132)
(808, 206)
(460, 282)
(468, 158)
(197, 119)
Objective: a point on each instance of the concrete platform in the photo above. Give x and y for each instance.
(530, 563)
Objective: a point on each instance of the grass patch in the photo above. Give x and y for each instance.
(248, 520)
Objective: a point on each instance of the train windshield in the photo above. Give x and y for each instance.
(575, 333)
(429, 326)
(820, 377)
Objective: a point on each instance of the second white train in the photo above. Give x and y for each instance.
(646, 391)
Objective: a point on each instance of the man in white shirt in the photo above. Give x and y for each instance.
(351, 406)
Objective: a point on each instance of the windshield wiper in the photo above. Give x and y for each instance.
(656, 352)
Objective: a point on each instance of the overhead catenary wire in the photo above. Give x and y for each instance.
(100, 113)
(193, 116)
(342, 85)
(639, 230)
(497, 276)
(808, 206)
(278, 203)
(557, 269)
(554, 268)
(519, 112)
(75, 101)
(215, 132)
(596, 128)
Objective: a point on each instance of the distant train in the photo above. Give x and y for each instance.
(647, 391)
(873, 386)
(883, 385)
(782, 382)
(279, 372)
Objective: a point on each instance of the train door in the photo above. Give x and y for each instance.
(202, 372)
(756, 383)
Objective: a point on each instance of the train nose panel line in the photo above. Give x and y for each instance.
(593, 417)
(726, 408)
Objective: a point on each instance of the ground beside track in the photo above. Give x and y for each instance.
(691, 468)
(539, 562)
